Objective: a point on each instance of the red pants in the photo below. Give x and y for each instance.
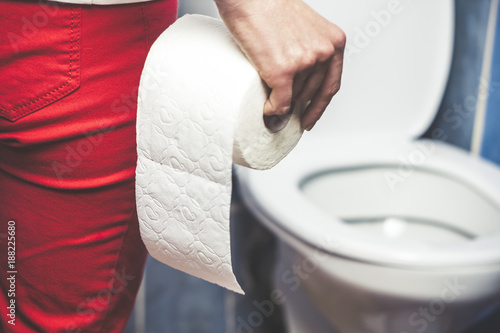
(72, 259)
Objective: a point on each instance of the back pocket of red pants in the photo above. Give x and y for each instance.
(39, 55)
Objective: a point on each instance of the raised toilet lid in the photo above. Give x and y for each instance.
(397, 61)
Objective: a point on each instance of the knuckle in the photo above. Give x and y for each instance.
(308, 60)
(285, 69)
(340, 39)
(325, 52)
(277, 75)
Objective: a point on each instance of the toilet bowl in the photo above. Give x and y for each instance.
(380, 231)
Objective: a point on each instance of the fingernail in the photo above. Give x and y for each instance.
(309, 127)
(284, 110)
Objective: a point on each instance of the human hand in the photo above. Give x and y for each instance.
(297, 52)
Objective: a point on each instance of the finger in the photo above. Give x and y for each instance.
(329, 87)
(313, 82)
(279, 100)
(299, 81)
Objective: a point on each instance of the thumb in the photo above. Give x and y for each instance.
(279, 100)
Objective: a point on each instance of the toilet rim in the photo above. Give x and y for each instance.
(322, 231)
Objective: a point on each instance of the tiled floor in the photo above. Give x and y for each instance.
(180, 303)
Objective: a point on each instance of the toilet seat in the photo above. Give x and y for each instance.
(300, 218)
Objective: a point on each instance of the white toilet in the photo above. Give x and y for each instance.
(382, 232)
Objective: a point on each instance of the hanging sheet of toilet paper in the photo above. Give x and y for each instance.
(199, 110)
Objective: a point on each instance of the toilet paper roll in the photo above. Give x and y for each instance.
(200, 109)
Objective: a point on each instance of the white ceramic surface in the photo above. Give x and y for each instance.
(375, 226)
(396, 66)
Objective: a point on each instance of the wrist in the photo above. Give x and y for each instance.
(243, 8)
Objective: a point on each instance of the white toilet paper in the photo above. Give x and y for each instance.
(200, 108)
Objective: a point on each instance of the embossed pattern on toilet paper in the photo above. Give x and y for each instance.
(184, 190)
(194, 83)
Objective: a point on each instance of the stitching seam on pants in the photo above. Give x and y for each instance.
(60, 87)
